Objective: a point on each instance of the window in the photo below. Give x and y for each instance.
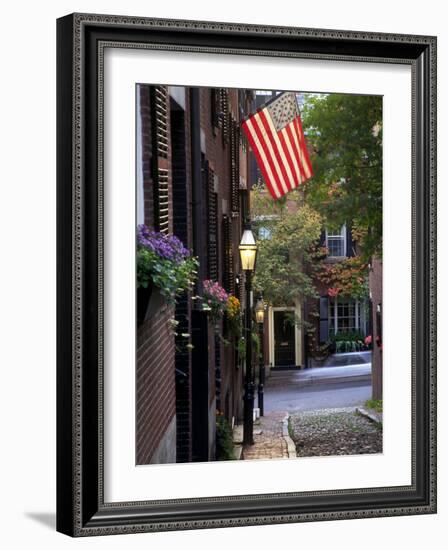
(264, 233)
(336, 242)
(346, 315)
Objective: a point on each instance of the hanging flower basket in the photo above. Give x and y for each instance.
(163, 263)
(214, 300)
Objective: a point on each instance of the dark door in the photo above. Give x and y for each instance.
(200, 387)
(284, 339)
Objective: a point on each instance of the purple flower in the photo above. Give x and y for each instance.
(165, 246)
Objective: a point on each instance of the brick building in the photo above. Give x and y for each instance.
(340, 314)
(193, 172)
(287, 343)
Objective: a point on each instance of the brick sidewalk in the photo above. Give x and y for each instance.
(268, 438)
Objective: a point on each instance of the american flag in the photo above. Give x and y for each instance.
(276, 137)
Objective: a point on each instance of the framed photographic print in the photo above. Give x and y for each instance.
(246, 274)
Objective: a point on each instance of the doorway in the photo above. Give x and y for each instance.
(284, 339)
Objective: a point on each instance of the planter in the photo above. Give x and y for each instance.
(143, 299)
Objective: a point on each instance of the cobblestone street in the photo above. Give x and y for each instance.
(314, 413)
(335, 432)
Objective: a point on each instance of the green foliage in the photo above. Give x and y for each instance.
(345, 342)
(256, 345)
(172, 278)
(346, 346)
(241, 347)
(375, 404)
(280, 273)
(348, 277)
(224, 439)
(344, 135)
(348, 336)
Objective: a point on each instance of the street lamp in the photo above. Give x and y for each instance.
(259, 316)
(259, 311)
(248, 255)
(248, 250)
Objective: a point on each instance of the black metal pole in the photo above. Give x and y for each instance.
(248, 428)
(261, 373)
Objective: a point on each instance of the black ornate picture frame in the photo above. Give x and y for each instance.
(81, 509)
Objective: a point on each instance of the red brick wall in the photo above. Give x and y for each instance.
(160, 396)
(155, 374)
(218, 153)
(155, 391)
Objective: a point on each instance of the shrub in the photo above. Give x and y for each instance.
(347, 341)
(224, 439)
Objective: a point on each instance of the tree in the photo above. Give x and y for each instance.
(292, 228)
(344, 136)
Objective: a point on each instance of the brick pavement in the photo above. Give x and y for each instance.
(268, 438)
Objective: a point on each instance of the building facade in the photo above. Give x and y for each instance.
(193, 173)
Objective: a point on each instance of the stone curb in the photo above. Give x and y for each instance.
(238, 450)
(291, 448)
(373, 417)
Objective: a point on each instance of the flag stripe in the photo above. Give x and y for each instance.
(302, 154)
(261, 159)
(305, 148)
(271, 135)
(293, 139)
(263, 136)
(264, 144)
(299, 149)
(284, 138)
(263, 151)
(265, 154)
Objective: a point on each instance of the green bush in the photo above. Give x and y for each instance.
(224, 439)
(375, 404)
(344, 342)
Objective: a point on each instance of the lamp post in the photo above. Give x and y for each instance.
(248, 254)
(259, 316)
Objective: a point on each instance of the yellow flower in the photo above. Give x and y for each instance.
(233, 306)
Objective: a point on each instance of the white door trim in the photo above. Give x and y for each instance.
(297, 334)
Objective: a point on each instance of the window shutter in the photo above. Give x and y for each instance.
(161, 119)
(212, 199)
(234, 166)
(162, 201)
(228, 275)
(323, 319)
(215, 108)
(349, 242)
(225, 115)
(323, 238)
(159, 116)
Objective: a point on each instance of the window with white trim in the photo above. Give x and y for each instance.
(346, 315)
(336, 242)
